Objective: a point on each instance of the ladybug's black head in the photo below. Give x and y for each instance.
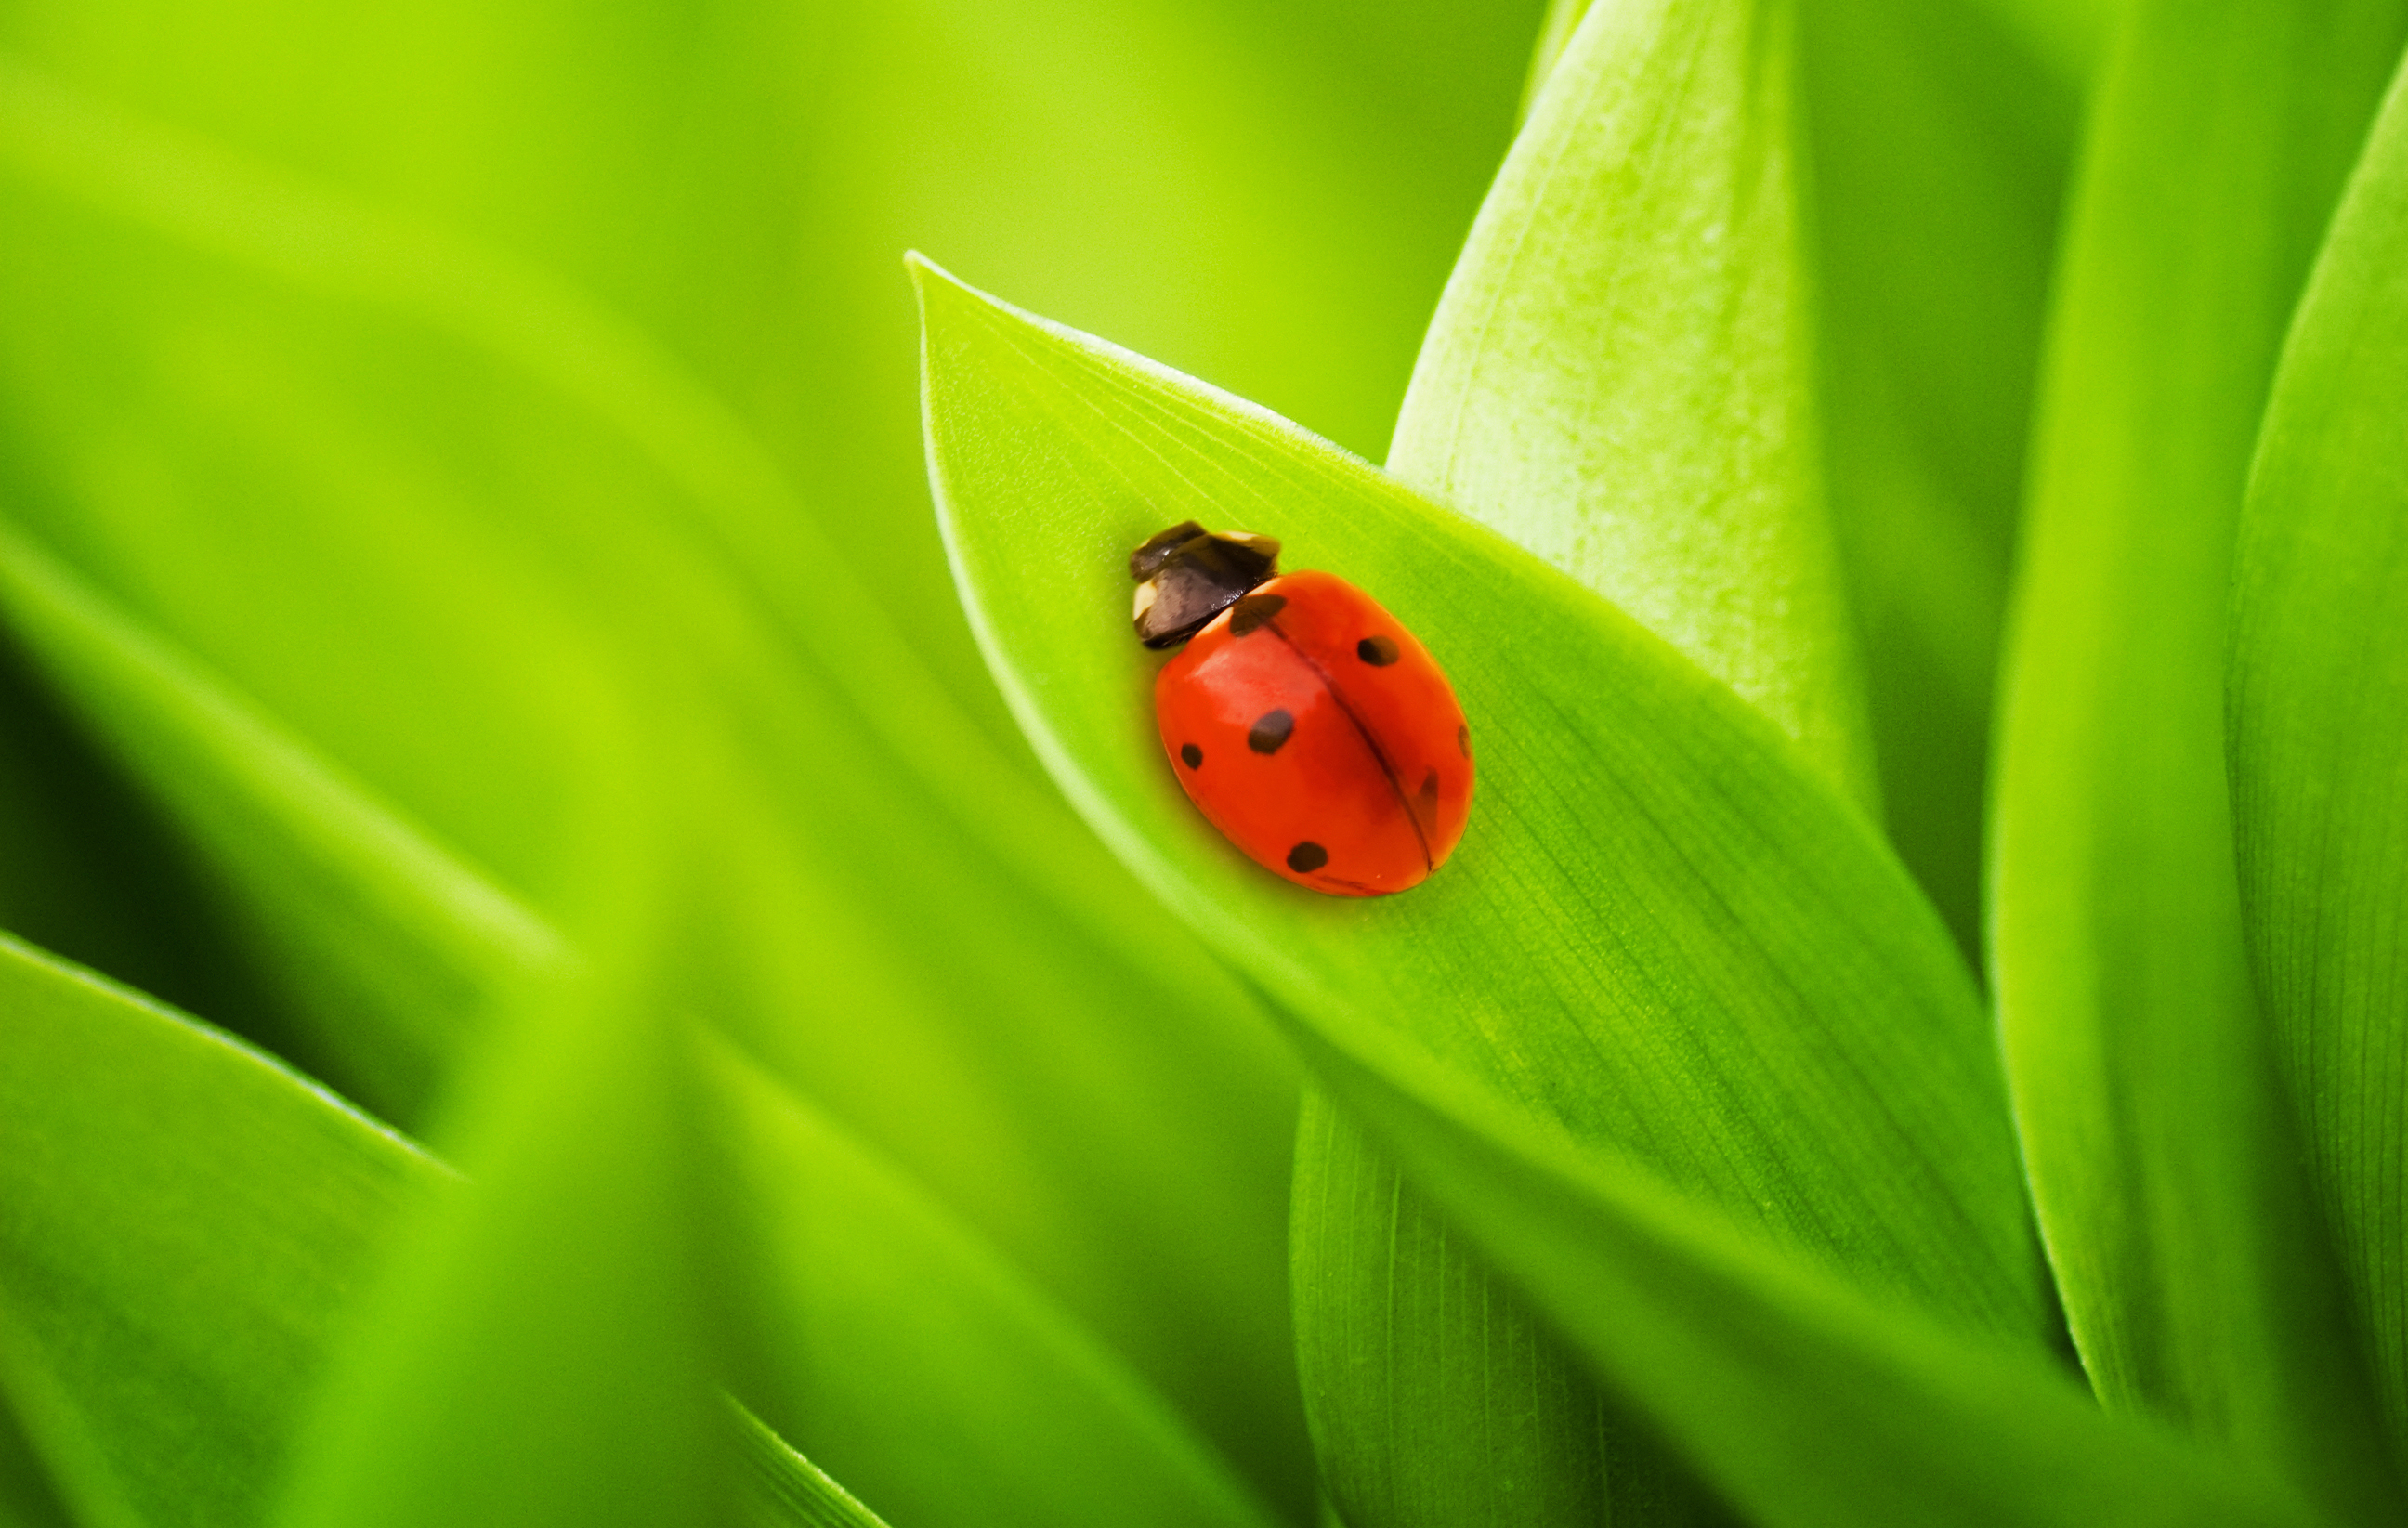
(1186, 575)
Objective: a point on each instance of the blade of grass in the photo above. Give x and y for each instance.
(2162, 1161)
(1656, 898)
(2316, 731)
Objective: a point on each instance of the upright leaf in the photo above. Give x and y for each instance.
(2318, 738)
(1940, 154)
(1620, 377)
(1662, 929)
(2161, 1156)
(1620, 374)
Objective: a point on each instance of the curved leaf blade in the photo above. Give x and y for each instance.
(2163, 1163)
(184, 1226)
(1812, 1402)
(2316, 729)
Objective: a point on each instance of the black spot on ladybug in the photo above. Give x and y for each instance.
(1428, 795)
(1463, 738)
(1376, 651)
(1191, 755)
(1271, 731)
(1251, 612)
(1307, 857)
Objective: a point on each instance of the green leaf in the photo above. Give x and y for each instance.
(544, 1348)
(184, 1225)
(1655, 882)
(1940, 156)
(784, 1487)
(189, 1229)
(2162, 1161)
(369, 923)
(895, 1349)
(1634, 284)
(385, 452)
(1808, 1400)
(2318, 732)
(1636, 281)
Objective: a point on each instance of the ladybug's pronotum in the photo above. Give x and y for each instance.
(1303, 720)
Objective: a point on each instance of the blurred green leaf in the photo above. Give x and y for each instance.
(545, 1348)
(374, 454)
(896, 1349)
(1760, 1007)
(184, 1226)
(2317, 735)
(2165, 1169)
(382, 931)
(189, 1229)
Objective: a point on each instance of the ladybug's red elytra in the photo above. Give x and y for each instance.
(1302, 718)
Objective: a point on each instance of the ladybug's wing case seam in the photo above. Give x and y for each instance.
(1371, 741)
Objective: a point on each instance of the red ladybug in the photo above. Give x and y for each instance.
(1302, 718)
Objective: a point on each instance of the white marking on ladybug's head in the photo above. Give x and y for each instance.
(1147, 593)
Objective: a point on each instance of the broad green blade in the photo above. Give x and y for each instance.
(1642, 252)
(1812, 1402)
(1436, 1395)
(782, 1487)
(1634, 286)
(433, 453)
(1939, 152)
(894, 1349)
(186, 1226)
(1662, 930)
(2317, 738)
(369, 923)
(2162, 1160)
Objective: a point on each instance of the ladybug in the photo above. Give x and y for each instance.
(1302, 718)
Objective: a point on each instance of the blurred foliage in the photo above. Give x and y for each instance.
(575, 955)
